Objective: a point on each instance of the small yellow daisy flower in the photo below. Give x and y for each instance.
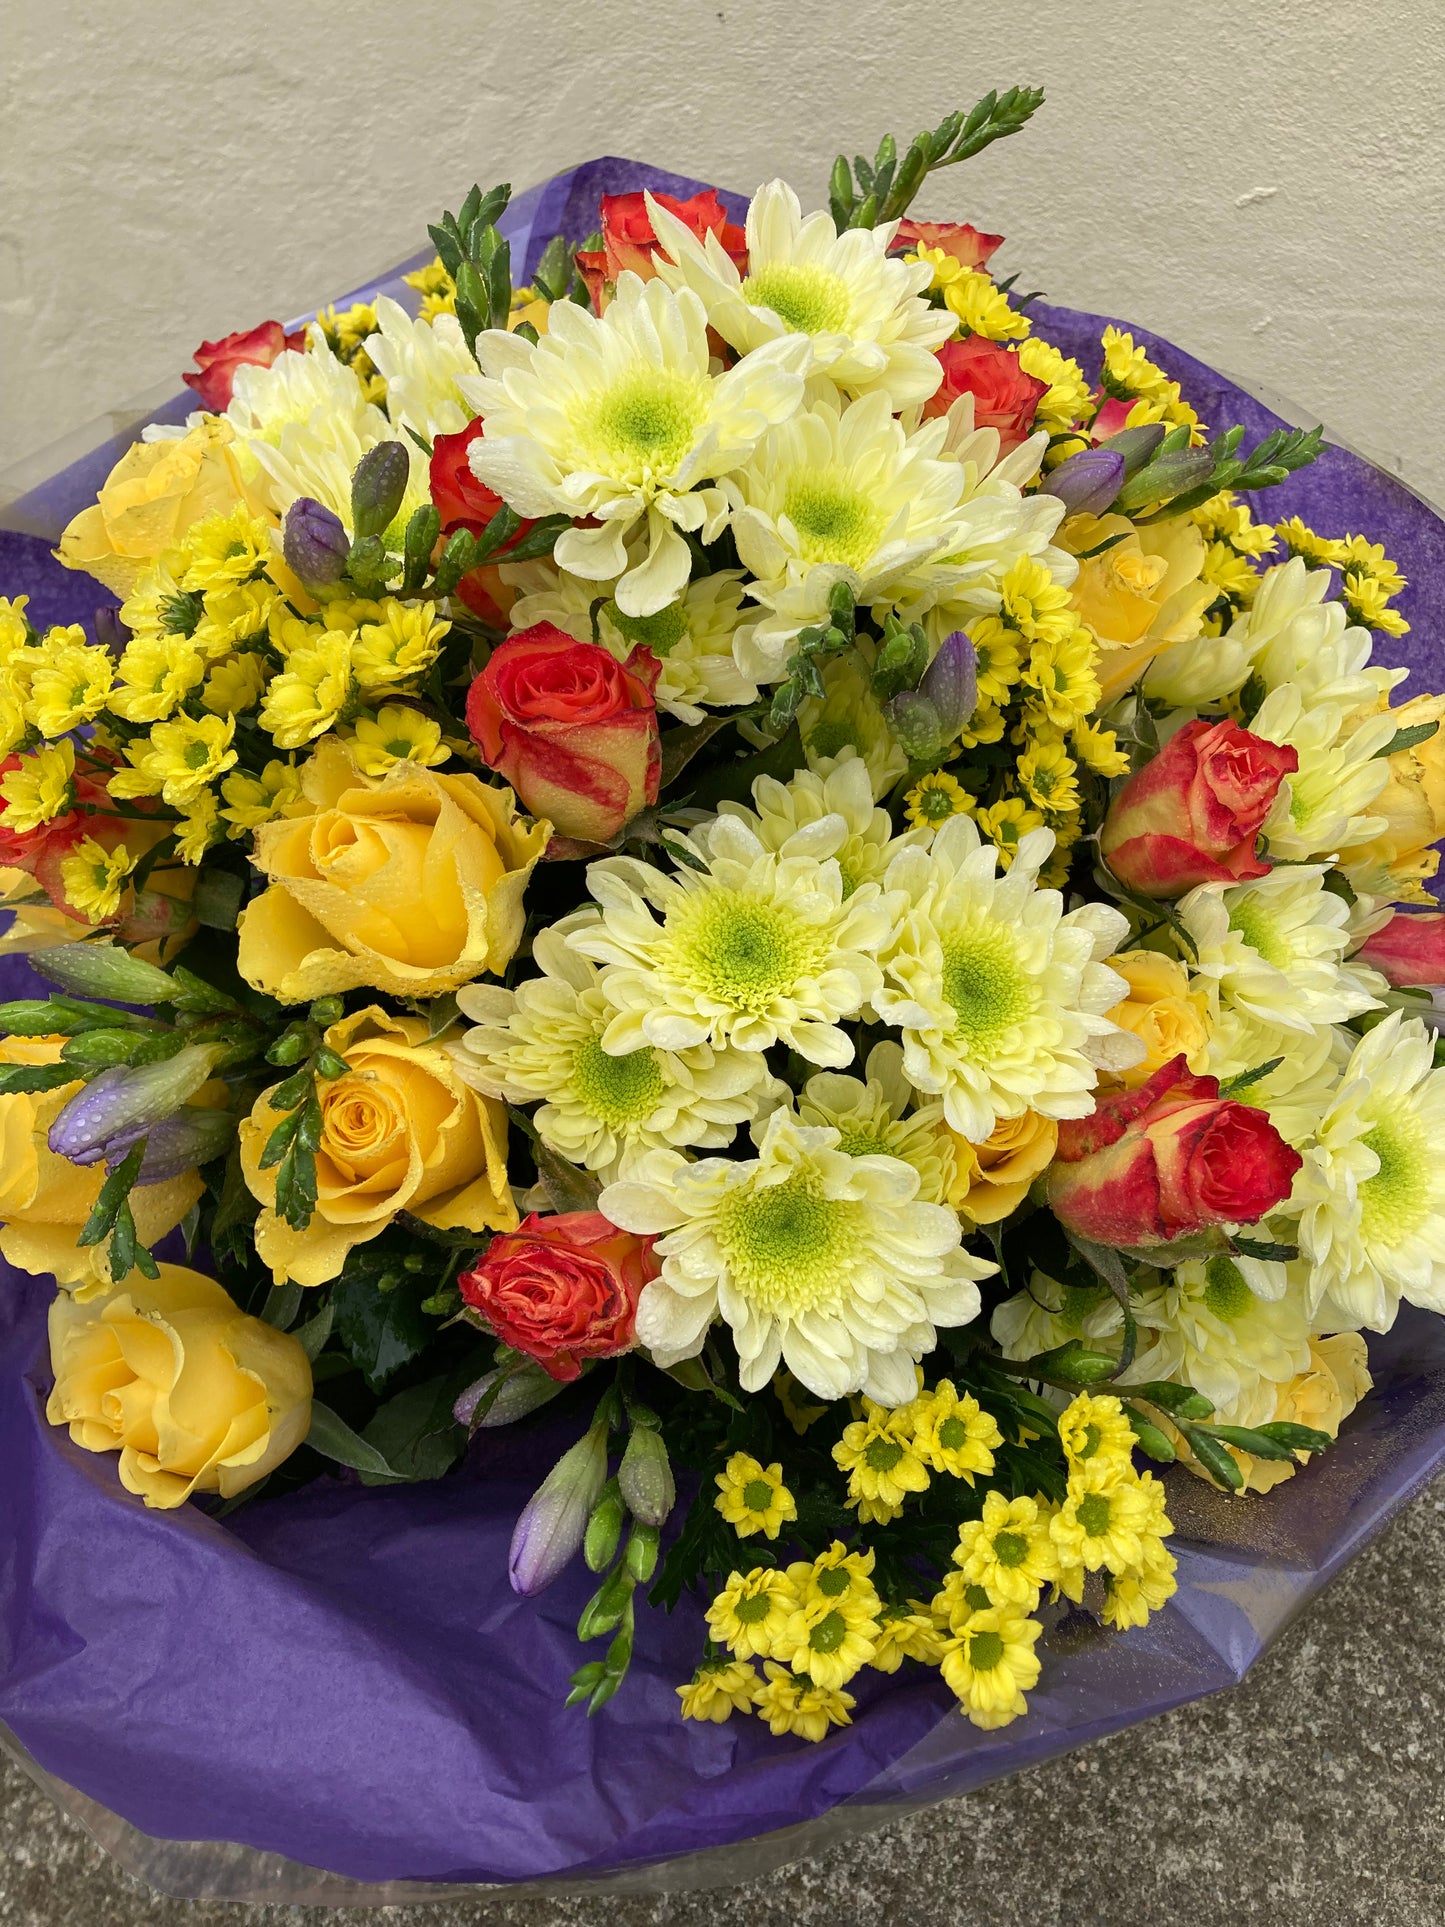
(398, 735)
(830, 1650)
(981, 306)
(1069, 397)
(40, 789)
(255, 800)
(1229, 572)
(70, 681)
(791, 1704)
(935, 798)
(437, 290)
(1134, 1594)
(991, 1666)
(836, 1580)
(1008, 1551)
(1368, 603)
(751, 1615)
(1062, 675)
(797, 1409)
(233, 617)
(1098, 749)
(178, 760)
(752, 1497)
(236, 685)
(984, 726)
(954, 1434)
(154, 676)
(1368, 559)
(957, 1603)
(905, 1632)
(221, 551)
(718, 1689)
(1318, 551)
(199, 828)
(1036, 605)
(306, 699)
(399, 646)
(999, 653)
(1005, 823)
(1046, 776)
(1096, 1434)
(94, 877)
(877, 1453)
(15, 629)
(1102, 1525)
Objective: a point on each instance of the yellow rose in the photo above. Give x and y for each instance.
(45, 1200)
(193, 1394)
(400, 1132)
(1141, 595)
(1321, 1397)
(1163, 1011)
(411, 883)
(991, 1179)
(150, 498)
(1413, 806)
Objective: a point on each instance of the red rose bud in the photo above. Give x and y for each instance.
(1087, 483)
(1192, 814)
(1409, 951)
(573, 730)
(460, 499)
(562, 1289)
(963, 243)
(217, 361)
(628, 239)
(1167, 1159)
(1004, 397)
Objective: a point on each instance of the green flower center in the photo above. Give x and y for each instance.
(644, 424)
(976, 1599)
(807, 299)
(834, 520)
(742, 951)
(985, 1651)
(617, 1091)
(988, 991)
(882, 1455)
(863, 1144)
(754, 1609)
(789, 1249)
(1260, 933)
(1010, 1548)
(832, 735)
(659, 633)
(1090, 1443)
(952, 1434)
(1226, 1293)
(834, 1581)
(757, 1495)
(1093, 1514)
(936, 803)
(828, 1635)
(197, 755)
(1396, 1201)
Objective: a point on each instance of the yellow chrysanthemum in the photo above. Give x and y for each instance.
(437, 290)
(223, 551)
(231, 618)
(992, 1665)
(752, 1613)
(1129, 373)
(952, 1432)
(1103, 1524)
(793, 1705)
(155, 675)
(1068, 398)
(399, 647)
(1098, 749)
(14, 625)
(306, 699)
(254, 800)
(1133, 1595)
(979, 303)
(199, 828)
(69, 683)
(752, 1497)
(1005, 823)
(178, 760)
(39, 789)
(1046, 777)
(935, 798)
(999, 651)
(1317, 551)
(237, 685)
(1366, 588)
(1224, 518)
(1035, 604)
(905, 1632)
(1061, 676)
(397, 735)
(836, 1581)
(1008, 1551)
(94, 877)
(1095, 1434)
(1229, 572)
(718, 1689)
(956, 1603)
(877, 1453)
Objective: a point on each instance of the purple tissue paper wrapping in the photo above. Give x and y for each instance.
(343, 1677)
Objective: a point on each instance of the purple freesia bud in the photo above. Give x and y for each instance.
(553, 1524)
(523, 1391)
(1087, 483)
(192, 1136)
(110, 632)
(1166, 475)
(950, 683)
(315, 543)
(125, 1102)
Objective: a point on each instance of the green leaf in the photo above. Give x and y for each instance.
(1408, 738)
(105, 1212)
(568, 1187)
(1108, 1266)
(679, 746)
(1241, 1081)
(218, 898)
(35, 1077)
(281, 1306)
(415, 1431)
(1265, 1250)
(333, 1438)
(381, 1330)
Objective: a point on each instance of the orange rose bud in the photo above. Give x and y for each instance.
(1004, 397)
(961, 242)
(1167, 1159)
(217, 361)
(1409, 951)
(562, 1289)
(628, 239)
(572, 729)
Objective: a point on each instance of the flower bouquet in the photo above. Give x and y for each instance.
(724, 929)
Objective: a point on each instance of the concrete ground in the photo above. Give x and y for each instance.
(1314, 1793)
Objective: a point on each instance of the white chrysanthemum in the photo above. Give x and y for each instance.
(307, 423)
(860, 312)
(838, 815)
(847, 721)
(1000, 996)
(543, 1041)
(1274, 950)
(1300, 1089)
(825, 1263)
(753, 949)
(1373, 1184)
(1049, 1314)
(1323, 807)
(1210, 1326)
(421, 361)
(619, 419)
(692, 638)
(1293, 635)
(874, 1120)
(1193, 674)
(839, 494)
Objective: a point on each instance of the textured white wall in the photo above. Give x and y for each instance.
(1263, 181)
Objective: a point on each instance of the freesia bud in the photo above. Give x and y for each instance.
(180, 1143)
(315, 543)
(950, 683)
(554, 1520)
(916, 724)
(110, 632)
(377, 488)
(1087, 483)
(645, 1477)
(1136, 445)
(522, 1391)
(125, 1103)
(104, 970)
(1168, 475)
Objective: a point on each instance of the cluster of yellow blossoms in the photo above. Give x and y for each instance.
(815, 1624)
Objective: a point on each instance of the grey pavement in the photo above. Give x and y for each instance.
(1312, 1794)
